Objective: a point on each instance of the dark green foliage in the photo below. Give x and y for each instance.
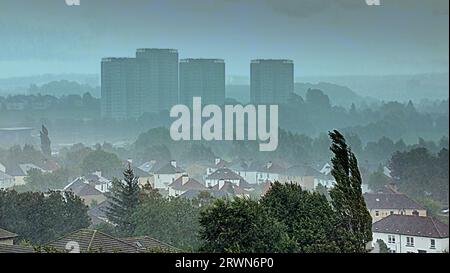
(123, 201)
(39, 218)
(308, 217)
(100, 160)
(36, 180)
(45, 142)
(240, 226)
(354, 223)
(173, 221)
(383, 247)
(378, 180)
(418, 172)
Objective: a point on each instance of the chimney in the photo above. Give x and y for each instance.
(173, 163)
(217, 160)
(184, 179)
(98, 173)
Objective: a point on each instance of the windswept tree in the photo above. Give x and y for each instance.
(354, 223)
(45, 142)
(123, 201)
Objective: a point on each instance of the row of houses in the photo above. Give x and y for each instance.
(404, 225)
(14, 174)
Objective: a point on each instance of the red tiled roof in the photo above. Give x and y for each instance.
(191, 184)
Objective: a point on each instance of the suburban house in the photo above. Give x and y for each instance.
(167, 174)
(92, 241)
(381, 205)
(7, 243)
(183, 184)
(218, 164)
(220, 176)
(6, 180)
(101, 183)
(6, 237)
(231, 190)
(95, 180)
(248, 171)
(86, 191)
(412, 234)
(305, 176)
(269, 172)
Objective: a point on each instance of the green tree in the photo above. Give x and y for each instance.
(240, 226)
(308, 217)
(39, 218)
(170, 220)
(100, 160)
(123, 201)
(45, 142)
(354, 223)
(377, 179)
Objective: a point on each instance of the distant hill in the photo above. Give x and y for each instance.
(20, 85)
(339, 95)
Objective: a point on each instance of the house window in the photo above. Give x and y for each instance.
(433, 244)
(377, 213)
(410, 241)
(391, 239)
(392, 212)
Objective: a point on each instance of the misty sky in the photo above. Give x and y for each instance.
(323, 37)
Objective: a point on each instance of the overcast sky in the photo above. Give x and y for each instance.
(323, 37)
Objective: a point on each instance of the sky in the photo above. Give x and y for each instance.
(322, 37)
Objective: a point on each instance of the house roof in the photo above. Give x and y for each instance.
(390, 201)
(147, 243)
(224, 174)
(272, 167)
(94, 241)
(169, 169)
(4, 234)
(411, 225)
(15, 170)
(230, 188)
(98, 213)
(189, 185)
(15, 249)
(87, 190)
(303, 170)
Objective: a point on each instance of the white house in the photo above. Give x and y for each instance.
(95, 179)
(167, 174)
(412, 234)
(218, 164)
(6, 180)
(269, 172)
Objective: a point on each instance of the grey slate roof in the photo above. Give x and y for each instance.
(94, 241)
(145, 243)
(189, 185)
(390, 201)
(411, 225)
(4, 234)
(169, 169)
(225, 174)
(15, 249)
